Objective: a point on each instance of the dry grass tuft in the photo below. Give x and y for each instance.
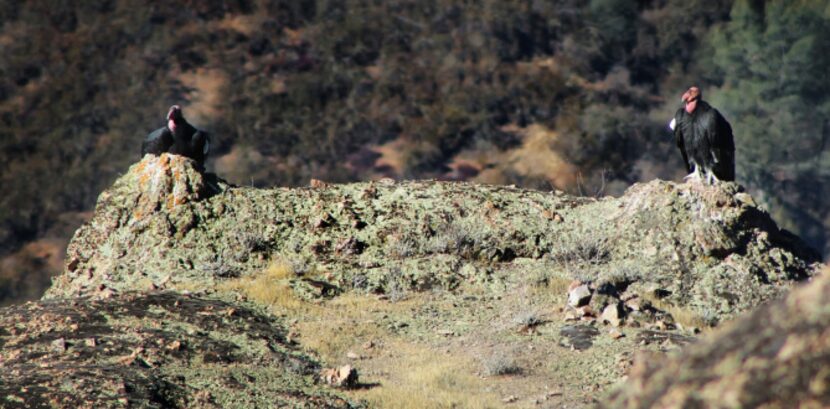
(500, 364)
(419, 380)
(682, 316)
(342, 324)
(558, 284)
(270, 286)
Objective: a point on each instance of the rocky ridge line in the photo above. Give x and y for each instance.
(710, 250)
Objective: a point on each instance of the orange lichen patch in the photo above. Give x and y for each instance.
(180, 198)
(143, 180)
(164, 182)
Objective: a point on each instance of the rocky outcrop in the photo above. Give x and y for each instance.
(117, 328)
(777, 357)
(710, 250)
(154, 350)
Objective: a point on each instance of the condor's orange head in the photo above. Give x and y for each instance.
(690, 98)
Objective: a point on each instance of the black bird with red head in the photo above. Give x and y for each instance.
(177, 137)
(704, 138)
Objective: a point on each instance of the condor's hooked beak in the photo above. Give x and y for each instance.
(175, 112)
(692, 94)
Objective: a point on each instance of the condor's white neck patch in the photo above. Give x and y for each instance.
(673, 124)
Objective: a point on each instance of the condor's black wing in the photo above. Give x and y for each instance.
(200, 146)
(680, 126)
(157, 142)
(721, 144)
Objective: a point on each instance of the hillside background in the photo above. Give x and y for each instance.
(567, 94)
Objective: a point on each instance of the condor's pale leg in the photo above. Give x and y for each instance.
(711, 179)
(695, 175)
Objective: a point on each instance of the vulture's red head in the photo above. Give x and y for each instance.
(175, 112)
(174, 115)
(690, 98)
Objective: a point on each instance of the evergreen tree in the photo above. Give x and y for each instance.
(771, 59)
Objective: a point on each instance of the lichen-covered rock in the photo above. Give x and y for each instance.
(708, 249)
(158, 350)
(150, 207)
(777, 357)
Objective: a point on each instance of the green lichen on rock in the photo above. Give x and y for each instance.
(152, 350)
(777, 357)
(710, 250)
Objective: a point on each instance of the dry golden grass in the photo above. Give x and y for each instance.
(412, 375)
(419, 378)
(347, 322)
(553, 290)
(328, 329)
(558, 285)
(270, 286)
(682, 316)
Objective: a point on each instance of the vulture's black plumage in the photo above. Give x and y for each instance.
(704, 138)
(178, 137)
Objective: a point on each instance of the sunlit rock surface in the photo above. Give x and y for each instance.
(710, 250)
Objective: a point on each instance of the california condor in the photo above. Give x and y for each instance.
(178, 137)
(704, 138)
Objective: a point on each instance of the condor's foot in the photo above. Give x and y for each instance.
(693, 177)
(711, 179)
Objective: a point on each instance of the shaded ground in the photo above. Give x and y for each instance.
(159, 350)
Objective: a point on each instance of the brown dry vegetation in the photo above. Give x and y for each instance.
(535, 159)
(24, 273)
